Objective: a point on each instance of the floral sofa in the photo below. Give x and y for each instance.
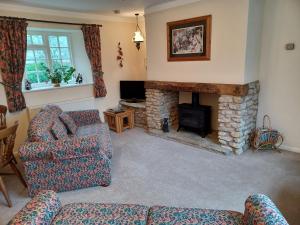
(45, 208)
(66, 161)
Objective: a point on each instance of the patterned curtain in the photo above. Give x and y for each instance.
(13, 33)
(91, 34)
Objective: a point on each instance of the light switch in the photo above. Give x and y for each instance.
(290, 46)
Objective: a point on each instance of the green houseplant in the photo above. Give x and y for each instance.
(59, 73)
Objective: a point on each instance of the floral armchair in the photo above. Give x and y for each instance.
(66, 161)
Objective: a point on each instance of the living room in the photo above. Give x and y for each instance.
(246, 75)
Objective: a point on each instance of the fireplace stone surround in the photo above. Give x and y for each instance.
(237, 109)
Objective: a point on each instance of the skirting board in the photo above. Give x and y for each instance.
(289, 148)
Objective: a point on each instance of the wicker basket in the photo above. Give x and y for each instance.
(265, 137)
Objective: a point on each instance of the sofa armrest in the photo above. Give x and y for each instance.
(40, 210)
(61, 149)
(260, 210)
(85, 117)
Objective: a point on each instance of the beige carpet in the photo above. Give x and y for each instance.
(150, 170)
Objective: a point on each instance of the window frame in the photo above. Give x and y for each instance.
(46, 47)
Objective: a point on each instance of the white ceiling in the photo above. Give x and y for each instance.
(127, 7)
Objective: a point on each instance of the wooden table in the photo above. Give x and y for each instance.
(119, 121)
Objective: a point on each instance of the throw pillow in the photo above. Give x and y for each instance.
(69, 122)
(59, 131)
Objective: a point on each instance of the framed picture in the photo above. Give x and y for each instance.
(189, 40)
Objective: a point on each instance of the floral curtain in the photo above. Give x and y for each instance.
(91, 34)
(13, 34)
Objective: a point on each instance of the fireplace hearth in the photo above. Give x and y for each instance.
(195, 117)
(236, 114)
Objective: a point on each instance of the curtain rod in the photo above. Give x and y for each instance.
(49, 21)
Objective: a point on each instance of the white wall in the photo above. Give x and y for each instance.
(229, 34)
(112, 32)
(236, 37)
(280, 70)
(254, 33)
(248, 43)
(80, 57)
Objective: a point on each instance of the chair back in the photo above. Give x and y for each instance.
(7, 142)
(3, 111)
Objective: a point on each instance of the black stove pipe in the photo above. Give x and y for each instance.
(195, 99)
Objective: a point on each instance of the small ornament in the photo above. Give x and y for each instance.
(79, 78)
(27, 85)
(165, 125)
(120, 55)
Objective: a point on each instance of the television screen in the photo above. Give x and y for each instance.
(132, 90)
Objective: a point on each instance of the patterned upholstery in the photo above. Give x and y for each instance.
(68, 174)
(69, 122)
(53, 109)
(180, 216)
(89, 213)
(44, 209)
(260, 210)
(66, 164)
(104, 136)
(86, 117)
(66, 148)
(40, 127)
(59, 131)
(40, 210)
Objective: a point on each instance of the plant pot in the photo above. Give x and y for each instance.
(56, 84)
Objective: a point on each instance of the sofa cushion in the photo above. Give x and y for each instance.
(97, 128)
(89, 213)
(59, 130)
(103, 134)
(40, 127)
(171, 215)
(53, 109)
(69, 122)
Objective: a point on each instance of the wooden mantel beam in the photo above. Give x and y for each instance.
(210, 88)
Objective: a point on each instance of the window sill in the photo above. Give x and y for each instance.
(56, 88)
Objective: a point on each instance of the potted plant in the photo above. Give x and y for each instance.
(59, 74)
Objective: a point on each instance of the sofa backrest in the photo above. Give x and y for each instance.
(40, 126)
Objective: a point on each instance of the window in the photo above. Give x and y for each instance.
(48, 49)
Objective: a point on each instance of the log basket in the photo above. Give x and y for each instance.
(266, 138)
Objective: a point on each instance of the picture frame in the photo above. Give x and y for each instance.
(189, 39)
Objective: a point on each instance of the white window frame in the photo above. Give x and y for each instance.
(46, 47)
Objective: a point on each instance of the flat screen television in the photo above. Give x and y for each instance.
(132, 90)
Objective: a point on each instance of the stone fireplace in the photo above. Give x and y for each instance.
(237, 110)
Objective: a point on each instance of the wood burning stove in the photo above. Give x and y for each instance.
(195, 117)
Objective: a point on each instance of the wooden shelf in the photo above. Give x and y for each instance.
(210, 88)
